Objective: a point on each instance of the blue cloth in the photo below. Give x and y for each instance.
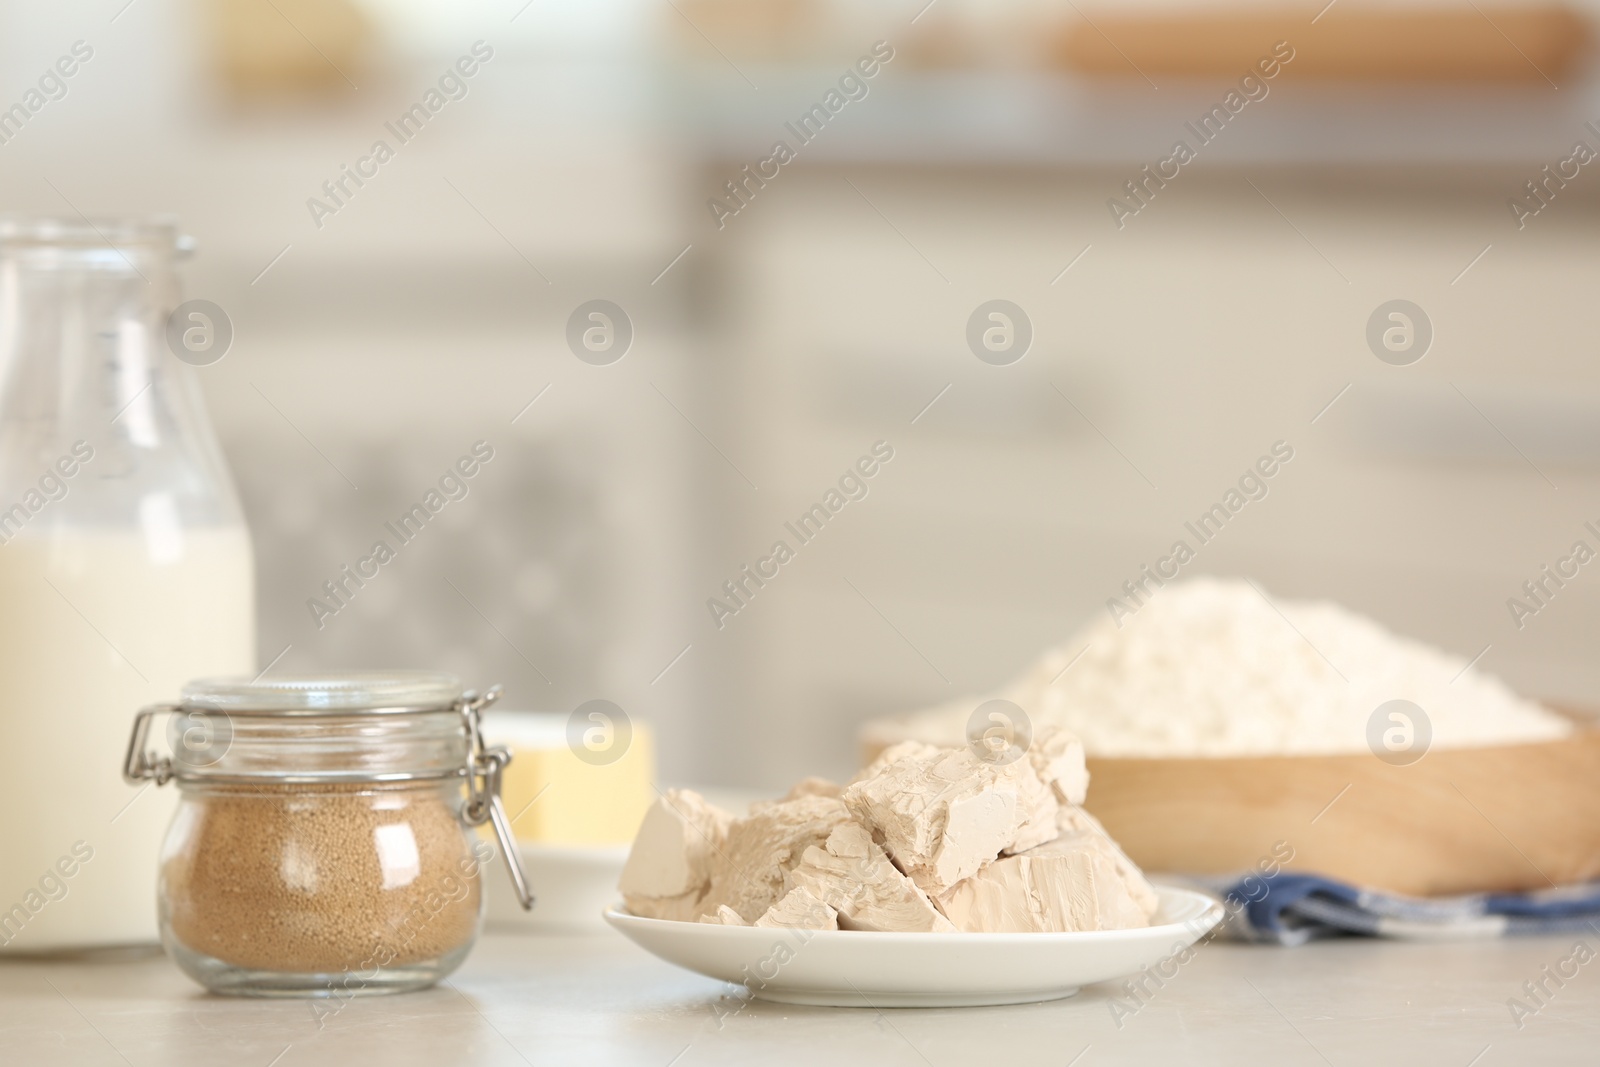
(1291, 909)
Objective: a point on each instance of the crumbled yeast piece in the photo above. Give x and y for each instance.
(1073, 821)
(894, 754)
(1068, 890)
(1059, 774)
(1057, 757)
(1055, 888)
(723, 916)
(1079, 881)
(942, 814)
(800, 910)
(814, 786)
(924, 839)
(669, 868)
(805, 787)
(762, 848)
(1036, 807)
(851, 874)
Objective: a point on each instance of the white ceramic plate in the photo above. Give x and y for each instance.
(857, 969)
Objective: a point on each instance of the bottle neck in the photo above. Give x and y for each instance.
(87, 382)
(79, 350)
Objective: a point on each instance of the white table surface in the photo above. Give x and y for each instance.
(525, 999)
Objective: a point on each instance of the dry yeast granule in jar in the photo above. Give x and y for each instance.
(328, 882)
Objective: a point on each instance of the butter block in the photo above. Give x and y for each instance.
(553, 797)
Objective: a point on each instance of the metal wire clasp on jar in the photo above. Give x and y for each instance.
(325, 842)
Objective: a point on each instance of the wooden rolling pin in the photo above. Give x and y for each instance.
(1482, 43)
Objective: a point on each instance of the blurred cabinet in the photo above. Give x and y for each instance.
(1168, 357)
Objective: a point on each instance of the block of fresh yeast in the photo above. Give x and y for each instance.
(587, 783)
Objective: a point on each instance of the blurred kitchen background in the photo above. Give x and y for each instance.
(770, 352)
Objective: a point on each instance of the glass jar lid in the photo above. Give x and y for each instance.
(352, 726)
(358, 692)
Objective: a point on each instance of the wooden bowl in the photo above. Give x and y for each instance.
(1457, 821)
(1372, 43)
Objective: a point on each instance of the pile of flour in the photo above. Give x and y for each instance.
(1211, 668)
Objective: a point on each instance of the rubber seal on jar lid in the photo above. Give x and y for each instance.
(341, 692)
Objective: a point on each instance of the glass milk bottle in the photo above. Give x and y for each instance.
(125, 567)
